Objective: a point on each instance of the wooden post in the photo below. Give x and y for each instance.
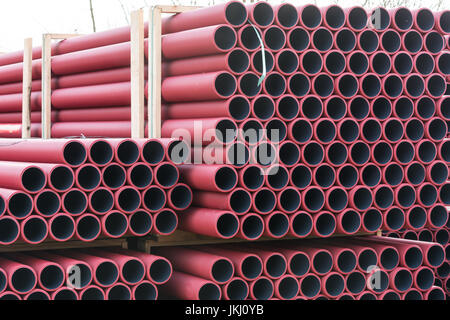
(46, 108)
(26, 87)
(154, 73)
(137, 75)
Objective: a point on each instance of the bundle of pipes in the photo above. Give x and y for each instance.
(361, 268)
(84, 189)
(89, 274)
(345, 133)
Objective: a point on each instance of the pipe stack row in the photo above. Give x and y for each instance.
(89, 274)
(89, 188)
(358, 268)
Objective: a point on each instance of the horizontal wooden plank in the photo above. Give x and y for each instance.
(176, 9)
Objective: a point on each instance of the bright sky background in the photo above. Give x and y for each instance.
(20, 19)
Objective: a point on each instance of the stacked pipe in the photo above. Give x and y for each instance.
(88, 274)
(84, 189)
(358, 268)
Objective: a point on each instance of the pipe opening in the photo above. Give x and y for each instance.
(357, 18)
(141, 222)
(88, 177)
(301, 224)
(439, 173)
(287, 16)
(411, 235)
(301, 176)
(371, 175)
(75, 201)
(314, 199)
(390, 41)
(424, 63)
(413, 41)
(389, 259)
(393, 174)
(337, 199)
(35, 230)
(9, 231)
(324, 176)
(438, 216)
(348, 176)
(322, 39)
(119, 292)
(85, 275)
(425, 19)
(74, 153)
(391, 295)
(23, 279)
(428, 194)
(368, 41)
(404, 107)
(380, 19)
(443, 272)
(395, 218)
(348, 85)
(225, 38)
(107, 273)
(33, 179)
(287, 61)
(238, 61)
(336, 108)
(381, 64)
(351, 222)
(362, 198)
(299, 264)
(371, 130)
(311, 62)
(51, 277)
(403, 63)
(20, 205)
(345, 40)
(251, 267)
(298, 39)
(277, 177)
(37, 295)
(262, 289)
(62, 227)
(393, 86)
(335, 17)
(240, 201)
(337, 153)
(325, 224)
(360, 153)
(253, 177)
(393, 130)
(378, 281)
(141, 176)
(414, 130)
(127, 152)
(116, 224)
(61, 178)
(444, 21)
(413, 294)
(248, 38)
(381, 108)
(366, 259)
(425, 235)
(227, 225)
(276, 265)
(413, 257)
(133, 271)
(311, 108)
(371, 85)
(313, 153)
(88, 227)
(301, 129)
(355, 282)
(349, 130)
(154, 199)
(290, 201)
(225, 84)
(403, 280)
(92, 293)
(322, 262)
(114, 176)
(276, 130)
(101, 201)
(274, 84)
(427, 151)
(288, 288)
(444, 107)
(372, 220)
(101, 153)
(311, 16)
(181, 197)
(435, 255)
(65, 294)
(263, 14)
(437, 129)
(252, 227)
(265, 154)
(278, 225)
(264, 200)
(403, 19)
(153, 152)
(166, 222)
(334, 285)
(288, 107)
(274, 38)
(444, 195)
(358, 63)
(257, 62)
(263, 107)
(436, 85)
(417, 217)
(325, 131)
(434, 42)
(310, 286)
(406, 196)
(424, 279)
(404, 152)
(299, 85)
(160, 270)
(252, 131)
(237, 289)
(167, 175)
(443, 63)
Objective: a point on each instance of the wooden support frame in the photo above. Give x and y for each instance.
(26, 87)
(46, 91)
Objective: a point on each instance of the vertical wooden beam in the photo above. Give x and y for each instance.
(137, 75)
(46, 108)
(154, 69)
(26, 87)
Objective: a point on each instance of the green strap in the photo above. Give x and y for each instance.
(263, 55)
